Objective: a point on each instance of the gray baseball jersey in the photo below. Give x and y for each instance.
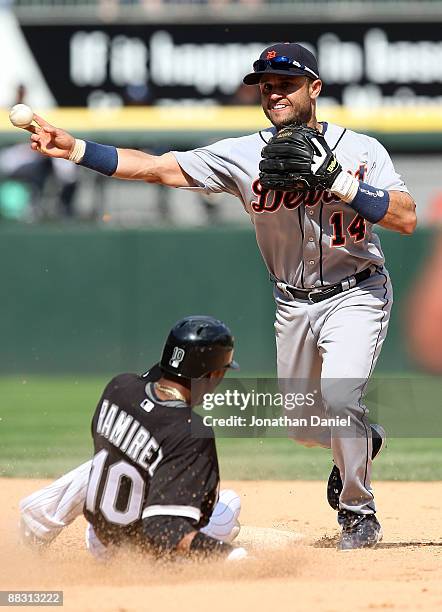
(311, 241)
(306, 241)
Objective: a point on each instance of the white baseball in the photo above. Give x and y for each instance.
(21, 115)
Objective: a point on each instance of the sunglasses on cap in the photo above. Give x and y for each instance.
(281, 62)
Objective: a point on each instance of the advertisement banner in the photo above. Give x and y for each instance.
(362, 65)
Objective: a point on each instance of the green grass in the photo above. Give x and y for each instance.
(45, 424)
(45, 430)
(279, 459)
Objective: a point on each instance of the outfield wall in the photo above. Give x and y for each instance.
(77, 299)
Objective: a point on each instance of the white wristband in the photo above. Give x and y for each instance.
(77, 153)
(345, 186)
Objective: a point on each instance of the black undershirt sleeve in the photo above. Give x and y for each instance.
(164, 533)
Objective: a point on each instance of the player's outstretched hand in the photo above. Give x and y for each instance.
(49, 140)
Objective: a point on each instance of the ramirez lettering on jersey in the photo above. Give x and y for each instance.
(129, 436)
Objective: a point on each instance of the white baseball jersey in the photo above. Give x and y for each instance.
(306, 240)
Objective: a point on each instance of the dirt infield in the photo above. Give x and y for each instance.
(404, 572)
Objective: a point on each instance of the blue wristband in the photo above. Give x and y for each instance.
(370, 202)
(101, 158)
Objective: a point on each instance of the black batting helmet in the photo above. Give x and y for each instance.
(196, 346)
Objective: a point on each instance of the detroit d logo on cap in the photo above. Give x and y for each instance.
(177, 357)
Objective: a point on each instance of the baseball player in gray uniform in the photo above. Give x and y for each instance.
(313, 191)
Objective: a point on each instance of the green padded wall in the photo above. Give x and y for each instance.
(77, 299)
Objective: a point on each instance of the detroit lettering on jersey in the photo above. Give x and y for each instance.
(309, 240)
(269, 201)
(129, 436)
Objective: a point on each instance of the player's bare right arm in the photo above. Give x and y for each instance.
(132, 165)
(139, 166)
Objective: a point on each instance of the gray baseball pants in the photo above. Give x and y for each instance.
(336, 343)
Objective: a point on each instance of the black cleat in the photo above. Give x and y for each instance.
(334, 485)
(358, 530)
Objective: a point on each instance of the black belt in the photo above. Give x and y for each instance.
(322, 293)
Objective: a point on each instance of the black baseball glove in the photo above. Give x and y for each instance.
(298, 158)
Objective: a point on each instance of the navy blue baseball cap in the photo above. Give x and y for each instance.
(290, 59)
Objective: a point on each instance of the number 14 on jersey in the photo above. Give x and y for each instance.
(356, 229)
